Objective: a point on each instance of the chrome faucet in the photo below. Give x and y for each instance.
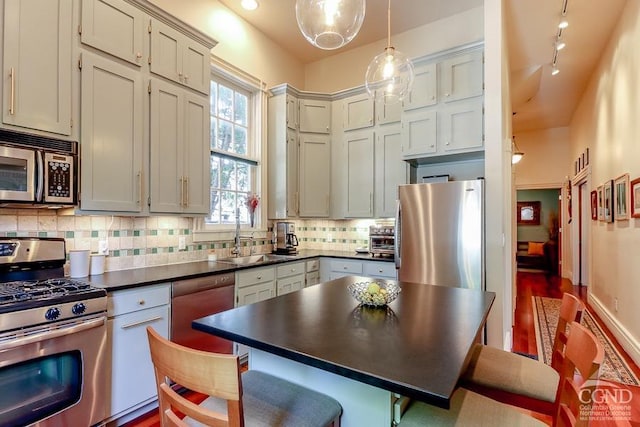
(236, 251)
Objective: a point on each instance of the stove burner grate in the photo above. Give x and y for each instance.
(19, 291)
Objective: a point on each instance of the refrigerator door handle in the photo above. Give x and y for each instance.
(396, 237)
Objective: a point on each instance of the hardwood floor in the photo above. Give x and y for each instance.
(527, 285)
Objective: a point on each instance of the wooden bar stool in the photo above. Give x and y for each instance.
(584, 354)
(253, 398)
(516, 379)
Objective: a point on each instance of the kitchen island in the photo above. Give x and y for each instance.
(320, 337)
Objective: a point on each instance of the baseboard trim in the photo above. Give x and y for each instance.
(627, 342)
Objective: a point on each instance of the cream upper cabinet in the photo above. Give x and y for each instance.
(461, 127)
(424, 91)
(419, 133)
(179, 163)
(178, 58)
(359, 149)
(112, 143)
(314, 116)
(282, 146)
(114, 27)
(37, 64)
(315, 175)
(292, 112)
(462, 76)
(390, 170)
(388, 113)
(357, 112)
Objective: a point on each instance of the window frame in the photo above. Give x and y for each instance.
(256, 146)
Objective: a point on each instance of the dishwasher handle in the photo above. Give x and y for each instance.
(199, 284)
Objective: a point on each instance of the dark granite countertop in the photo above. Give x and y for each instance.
(418, 346)
(124, 279)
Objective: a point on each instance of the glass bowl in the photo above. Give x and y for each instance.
(374, 294)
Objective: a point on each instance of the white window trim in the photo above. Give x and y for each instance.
(202, 231)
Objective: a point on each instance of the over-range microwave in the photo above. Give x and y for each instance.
(37, 171)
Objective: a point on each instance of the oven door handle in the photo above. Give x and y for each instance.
(40, 171)
(56, 333)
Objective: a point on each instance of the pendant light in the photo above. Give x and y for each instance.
(329, 24)
(516, 154)
(390, 74)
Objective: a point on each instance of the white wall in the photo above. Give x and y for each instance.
(239, 43)
(606, 121)
(328, 75)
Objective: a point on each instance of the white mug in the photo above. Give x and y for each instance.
(97, 264)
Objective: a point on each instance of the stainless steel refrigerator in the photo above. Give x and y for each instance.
(440, 234)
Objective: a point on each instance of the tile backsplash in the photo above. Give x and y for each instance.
(136, 242)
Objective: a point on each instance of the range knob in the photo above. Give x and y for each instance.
(52, 314)
(78, 308)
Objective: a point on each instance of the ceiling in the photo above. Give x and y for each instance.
(539, 100)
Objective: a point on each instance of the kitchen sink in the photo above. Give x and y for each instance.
(254, 259)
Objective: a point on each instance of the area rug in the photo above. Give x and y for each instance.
(546, 311)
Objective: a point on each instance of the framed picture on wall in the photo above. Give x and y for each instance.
(600, 203)
(594, 205)
(621, 197)
(608, 201)
(528, 213)
(635, 198)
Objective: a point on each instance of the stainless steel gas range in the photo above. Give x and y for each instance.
(52, 338)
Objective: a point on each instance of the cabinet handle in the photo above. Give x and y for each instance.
(181, 191)
(180, 76)
(138, 56)
(380, 271)
(447, 143)
(447, 95)
(13, 90)
(186, 78)
(186, 185)
(259, 277)
(141, 322)
(141, 302)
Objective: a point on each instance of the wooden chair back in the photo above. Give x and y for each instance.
(571, 310)
(209, 373)
(581, 367)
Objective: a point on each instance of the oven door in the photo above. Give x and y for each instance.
(17, 174)
(54, 375)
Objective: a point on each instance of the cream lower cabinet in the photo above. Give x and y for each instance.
(334, 268)
(112, 146)
(133, 383)
(37, 64)
(312, 272)
(179, 163)
(290, 277)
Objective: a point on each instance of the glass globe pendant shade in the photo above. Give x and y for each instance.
(389, 76)
(329, 24)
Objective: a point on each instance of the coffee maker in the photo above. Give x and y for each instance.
(285, 238)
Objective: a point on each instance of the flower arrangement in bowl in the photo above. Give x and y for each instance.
(375, 294)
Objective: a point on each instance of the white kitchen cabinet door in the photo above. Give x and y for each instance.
(357, 112)
(462, 76)
(179, 155)
(388, 113)
(461, 126)
(133, 380)
(37, 65)
(255, 293)
(315, 175)
(178, 58)
(379, 269)
(293, 189)
(390, 171)
(292, 112)
(359, 148)
(419, 133)
(290, 284)
(112, 146)
(425, 88)
(314, 116)
(114, 27)
(312, 278)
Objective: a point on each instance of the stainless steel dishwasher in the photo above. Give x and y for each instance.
(195, 298)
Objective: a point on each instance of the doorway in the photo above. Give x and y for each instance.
(584, 218)
(538, 240)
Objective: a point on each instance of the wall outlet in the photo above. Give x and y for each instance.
(103, 247)
(182, 243)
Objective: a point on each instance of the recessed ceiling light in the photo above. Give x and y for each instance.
(554, 71)
(249, 4)
(563, 24)
(560, 45)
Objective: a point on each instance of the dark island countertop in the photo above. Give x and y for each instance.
(418, 346)
(124, 279)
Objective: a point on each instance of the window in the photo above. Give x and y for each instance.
(234, 152)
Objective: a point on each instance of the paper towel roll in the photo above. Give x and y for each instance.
(79, 263)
